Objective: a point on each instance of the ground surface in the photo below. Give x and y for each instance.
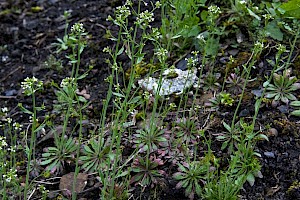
(28, 35)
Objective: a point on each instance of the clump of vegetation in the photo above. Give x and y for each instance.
(283, 87)
(143, 139)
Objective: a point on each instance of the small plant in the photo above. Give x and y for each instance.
(96, 155)
(181, 24)
(241, 131)
(222, 99)
(149, 140)
(282, 88)
(192, 176)
(235, 84)
(120, 191)
(209, 81)
(56, 157)
(53, 63)
(186, 131)
(147, 172)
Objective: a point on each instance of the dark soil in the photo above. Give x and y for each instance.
(26, 35)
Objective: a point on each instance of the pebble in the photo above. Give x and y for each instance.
(269, 154)
(244, 113)
(283, 109)
(224, 60)
(233, 52)
(272, 132)
(10, 92)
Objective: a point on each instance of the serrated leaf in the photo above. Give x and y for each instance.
(270, 95)
(185, 183)
(274, 31)
(212, 46)
(136, 178)
(265, 84)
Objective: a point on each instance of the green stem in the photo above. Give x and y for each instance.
(31, 147)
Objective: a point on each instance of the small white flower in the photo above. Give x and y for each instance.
(12, 148)
(31, 119)
(17, 126)
(9, 120)
(4, 110)
(201, 38)
(128, 3)
(2, 142)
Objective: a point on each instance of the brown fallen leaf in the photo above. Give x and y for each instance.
(66, 183)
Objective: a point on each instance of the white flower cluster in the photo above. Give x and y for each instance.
(155, 34)
(281, 48)
(192, 61)
(214, 10)
(68, 81)
(31, 85)
(4, 110)
(11, 175)
(259, 45)
(3, 143)
(77, 28)
(144, 18)
(17, 126)
(122, 13)
(161, 53)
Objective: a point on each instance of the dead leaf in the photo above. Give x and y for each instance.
(66, 183)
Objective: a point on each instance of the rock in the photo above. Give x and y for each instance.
(272, 132)
(244, 113)
(283, 109)
(11, 92)
(233, 52)
(269, 154)
(173, 81)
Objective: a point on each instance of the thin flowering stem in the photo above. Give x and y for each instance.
(30, 86)
(31, 152)
(258, 47)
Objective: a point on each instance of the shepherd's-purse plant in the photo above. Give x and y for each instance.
(283, 87)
